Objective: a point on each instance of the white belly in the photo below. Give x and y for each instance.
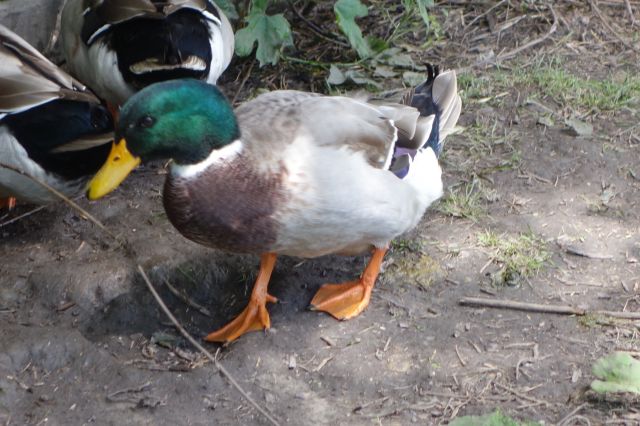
(341, 204)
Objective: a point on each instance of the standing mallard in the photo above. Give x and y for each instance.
(51, 126)
(289, 173)
(118, 47)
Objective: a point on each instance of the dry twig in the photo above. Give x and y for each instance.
(155, 294)
(22, 216)
(63, 198)
(514, 52)
(565, 419)
(186, 299)
(545, 309)
(605, 22)
(632, 18)
(205, 352)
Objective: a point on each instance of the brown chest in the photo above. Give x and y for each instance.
(230, 208)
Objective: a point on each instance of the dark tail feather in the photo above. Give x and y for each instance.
(439, 105)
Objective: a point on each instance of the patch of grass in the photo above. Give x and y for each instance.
(520, 256)
(553, 80)
(595, 320)
(593, 94)
(483, 148)
(494, 419)
(403, 245)
(474, 87)
(464, 202)
(422, 270)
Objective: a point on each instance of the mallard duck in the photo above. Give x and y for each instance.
(51, 126)
(117, 47)
(289, 173)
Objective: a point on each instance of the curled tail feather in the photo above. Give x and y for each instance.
(439, 105)
(436, 108)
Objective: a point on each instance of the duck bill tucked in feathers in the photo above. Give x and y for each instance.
(120, 46)
(52, 127)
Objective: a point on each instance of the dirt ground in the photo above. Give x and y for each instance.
(539, 208)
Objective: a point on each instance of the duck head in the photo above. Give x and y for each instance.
(182, 120)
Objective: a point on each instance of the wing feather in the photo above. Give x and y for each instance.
(28, 79)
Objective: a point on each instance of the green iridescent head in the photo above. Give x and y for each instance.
(179, 119)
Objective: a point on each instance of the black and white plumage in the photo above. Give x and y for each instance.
(118, 47)
(51, 126)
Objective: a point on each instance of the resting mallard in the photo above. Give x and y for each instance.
(289, 173)
(51, 126)
(118, 47)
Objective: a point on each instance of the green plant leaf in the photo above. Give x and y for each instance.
(228, 8)
(271, 32)
(422, 8)
(412, 78)
(338, 76)
(346, 12)
(618, 372)
(396, 58)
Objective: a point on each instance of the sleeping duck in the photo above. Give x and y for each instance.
(289, 173)
(51, 126)
(118, 47)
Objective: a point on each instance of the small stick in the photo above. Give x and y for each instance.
(605, 22)
(243, 82)
(514, 52)
(632, 18)
(63, 198)
(577, 252)
(546, 309)
(180, 295)
(522, 396)
(205, 352)
(316, 29)
(462, 361)
(574, 411)
(116, 396)
(22, 216)
(125, 244)
(486, 12)
(520, 306)
(323, 363)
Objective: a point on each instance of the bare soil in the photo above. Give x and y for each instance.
(83, 341)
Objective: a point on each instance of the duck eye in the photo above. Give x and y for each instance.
(146, 122)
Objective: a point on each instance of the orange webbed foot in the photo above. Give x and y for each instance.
(342, 301)
(255, 316)
(347, 300)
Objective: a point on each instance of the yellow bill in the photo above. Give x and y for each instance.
(118, 166)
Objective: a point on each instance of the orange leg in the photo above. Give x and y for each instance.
(254, 316)
(9, 203)
(347, 300)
